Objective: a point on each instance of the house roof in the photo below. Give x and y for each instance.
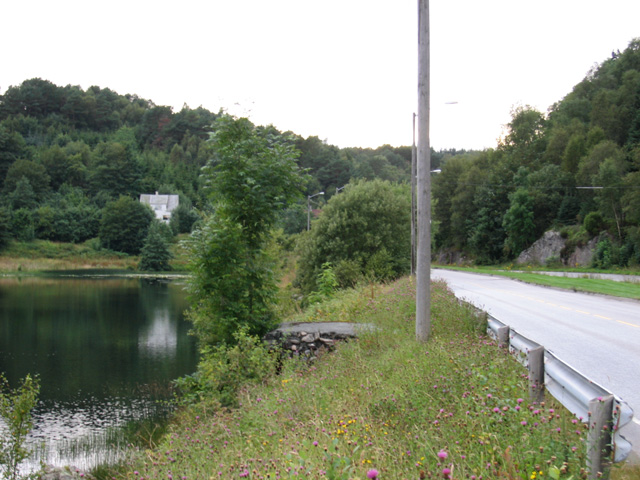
(170, 202)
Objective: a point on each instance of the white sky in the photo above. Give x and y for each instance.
(343, 70)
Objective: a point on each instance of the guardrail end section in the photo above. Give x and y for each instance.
(622, 415)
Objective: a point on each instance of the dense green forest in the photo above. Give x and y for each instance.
(575, 168)
(67, 155)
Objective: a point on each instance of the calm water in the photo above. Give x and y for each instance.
(105, 350)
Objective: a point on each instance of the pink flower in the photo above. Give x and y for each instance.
(373, 474)
(446, 472)
(442, 454)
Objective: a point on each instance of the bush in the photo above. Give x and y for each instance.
(224, 369)
(593, 223)
(15, 411)
(124, 225)
(348, 273)
(368, 225)
(327, 283)
(607, 254)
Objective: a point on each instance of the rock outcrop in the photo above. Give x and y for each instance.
(550, 245)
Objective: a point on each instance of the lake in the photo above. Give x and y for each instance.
(105, 349)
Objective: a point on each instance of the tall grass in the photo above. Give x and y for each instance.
(384, 406)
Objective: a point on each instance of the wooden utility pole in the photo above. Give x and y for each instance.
(413, 199)
(423, 269)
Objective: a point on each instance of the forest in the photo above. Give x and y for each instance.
(575, 168)
(68, 155)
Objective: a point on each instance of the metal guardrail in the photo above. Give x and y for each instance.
(605, 413)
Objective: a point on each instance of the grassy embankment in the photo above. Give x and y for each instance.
(455, 407)
(42, 255)
(627, 289)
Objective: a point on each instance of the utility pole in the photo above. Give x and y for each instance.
(309, 197)
(413, 199)
(423, 270)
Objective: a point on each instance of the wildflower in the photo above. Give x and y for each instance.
(446, 472)
(315, 444)
(373, 474)
(442, 454)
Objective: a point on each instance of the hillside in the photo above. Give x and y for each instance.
(576, 169)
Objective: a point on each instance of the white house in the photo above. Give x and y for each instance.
(162, 205)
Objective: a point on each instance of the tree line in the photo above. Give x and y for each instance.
(575, 168)
(65, 153)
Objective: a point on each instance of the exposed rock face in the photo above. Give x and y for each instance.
(582, 256)
(553, 245)
(550, 245)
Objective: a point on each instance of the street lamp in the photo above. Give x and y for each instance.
(309, 197)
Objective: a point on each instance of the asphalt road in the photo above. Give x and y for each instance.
(597, 335)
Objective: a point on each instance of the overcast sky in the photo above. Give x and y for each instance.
(343, 70)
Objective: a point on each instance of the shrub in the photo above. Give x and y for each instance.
(124, 225)
(368, 225)
(593, 223)
(15, 410)
(327, 283)
(224, 369)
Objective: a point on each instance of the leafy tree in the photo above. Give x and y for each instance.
(116, 169)
(183, 218)
(518, 222)
(356, 226)
(23, 196)
(32, 171)
(574, 151)
(12, 146)
(609, 198)
(5, 227)
(525, 140)
(124, 225)
(253, 175)
(155, 253)
(22, 226)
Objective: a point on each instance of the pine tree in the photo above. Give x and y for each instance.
(155, 254)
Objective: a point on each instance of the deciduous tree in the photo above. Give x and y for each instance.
(253, 175)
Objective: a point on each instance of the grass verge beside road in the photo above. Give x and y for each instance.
(588, 285)
(384, 406)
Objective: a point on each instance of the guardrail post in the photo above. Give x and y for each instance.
(535, 360)
(599, 436)
(503, 336)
